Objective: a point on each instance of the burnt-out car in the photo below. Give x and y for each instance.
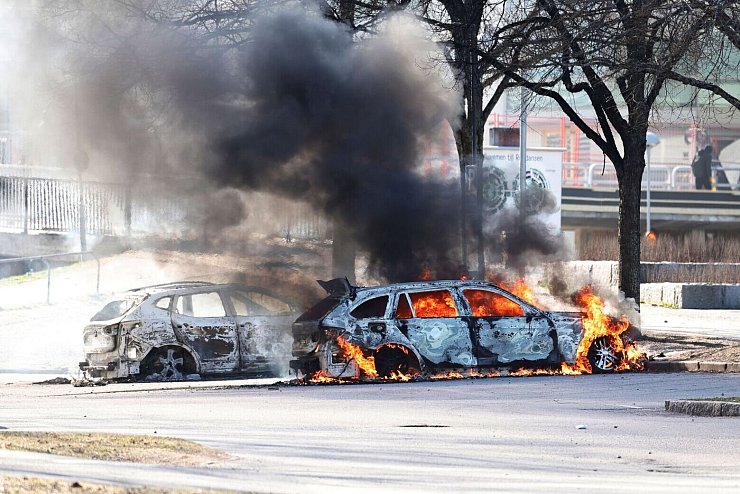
(170, 331)
(427, 327)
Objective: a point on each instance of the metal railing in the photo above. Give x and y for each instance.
(662, 177)
(45, 261)
(32, 204)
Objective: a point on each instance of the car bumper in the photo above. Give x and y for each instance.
(102, 366)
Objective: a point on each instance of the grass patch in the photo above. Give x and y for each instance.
(726, 399)
(40, 272)
(33, 485)
(113, 447)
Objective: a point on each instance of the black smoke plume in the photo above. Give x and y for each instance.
(300, 110)
(340, 125)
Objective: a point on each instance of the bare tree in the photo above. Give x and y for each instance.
(725, 14)
(621, 55)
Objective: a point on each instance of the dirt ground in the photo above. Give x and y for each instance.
(113, 447)
(35, 485)
(98, 446)
(683, 347)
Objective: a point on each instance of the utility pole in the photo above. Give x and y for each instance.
(522, 162)
(81, 163)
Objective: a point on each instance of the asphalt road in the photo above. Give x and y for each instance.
(534, 434)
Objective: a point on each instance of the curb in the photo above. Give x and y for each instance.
(691, 366)
(704, 408)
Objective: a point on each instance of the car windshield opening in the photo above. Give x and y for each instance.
(114, 309)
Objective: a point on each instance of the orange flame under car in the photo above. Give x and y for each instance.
(366, 364)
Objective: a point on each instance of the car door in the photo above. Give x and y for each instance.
(200, 320)
(503, 331)
(430, 319)
(264, 329)
(368, 318)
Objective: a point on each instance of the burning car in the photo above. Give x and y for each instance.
(431, 326)
(170, 331)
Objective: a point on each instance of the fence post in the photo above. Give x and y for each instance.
(81, 207)
(127, 208)
(26, 205)
(48, 281)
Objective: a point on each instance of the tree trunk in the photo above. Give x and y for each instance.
(630, 185)
(469, 143)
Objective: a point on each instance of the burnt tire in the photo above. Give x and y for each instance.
(395, 359)
(602, 356)
(167, 364)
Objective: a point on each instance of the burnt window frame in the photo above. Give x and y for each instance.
(450, 290)
(155, 303)
(225, 303)
(370, 299)
(405, 295)
(526, 308)
(244, 292)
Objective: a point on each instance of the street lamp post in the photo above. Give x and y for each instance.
(652, 139)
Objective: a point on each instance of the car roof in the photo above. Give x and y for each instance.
(423, 285)
(188, 286)
(436, 284)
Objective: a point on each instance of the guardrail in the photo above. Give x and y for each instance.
(44, 260)
(662, 177)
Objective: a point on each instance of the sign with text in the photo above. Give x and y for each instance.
(543, 182)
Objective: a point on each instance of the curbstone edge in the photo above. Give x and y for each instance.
(713, 366)
(704, 408)
(673, 366)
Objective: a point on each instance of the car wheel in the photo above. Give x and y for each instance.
(602, 357)
(390, 359)
(167, 364)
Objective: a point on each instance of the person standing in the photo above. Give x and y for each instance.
(702, 168)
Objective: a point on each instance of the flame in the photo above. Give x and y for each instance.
(366, 364)
(488, 304)
(426, 275)
(465, 374)
(322, 377)
(520, 289)
(532, 372)
(597, 324)
(399, 376)
(438, 303)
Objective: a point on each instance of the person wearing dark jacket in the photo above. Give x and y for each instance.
(702, 168)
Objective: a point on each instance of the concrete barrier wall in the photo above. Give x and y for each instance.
(691, 295)
(682, 295)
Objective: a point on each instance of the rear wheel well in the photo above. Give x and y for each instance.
(395, 358)
(151, 365)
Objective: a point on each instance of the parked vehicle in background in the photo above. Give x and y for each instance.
(426, 327)
(170, 331)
